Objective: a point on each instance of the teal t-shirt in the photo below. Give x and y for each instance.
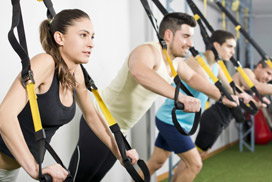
(185, 119)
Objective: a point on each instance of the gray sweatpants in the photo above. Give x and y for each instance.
(8, 176)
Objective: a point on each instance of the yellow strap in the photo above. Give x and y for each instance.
(223, 17)
(174, 73)
(235, 5)
(207, 104)
(197, 17)
(199, 149)
(201, 61)
(225, 70)
(40, 0)
(34, 106)
(238, 27)
(244, 75)
(205, 8)
(268, 61)
(104, 108)
(246, 21)
(246, 18)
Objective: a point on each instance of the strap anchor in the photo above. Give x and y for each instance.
(28, 77)
(91, 85)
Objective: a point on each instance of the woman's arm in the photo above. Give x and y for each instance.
(13, 103)
(95, 120)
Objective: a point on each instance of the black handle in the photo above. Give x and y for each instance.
(123, 146)
(46, 178)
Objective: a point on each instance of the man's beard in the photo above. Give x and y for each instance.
(176, 53)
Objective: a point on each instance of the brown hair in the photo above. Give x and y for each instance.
(60, 23)
(262, 62)
(173, 21)
(220, 36)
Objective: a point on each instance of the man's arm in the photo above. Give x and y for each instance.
(196, 81)
(143, 62)
(263, 88)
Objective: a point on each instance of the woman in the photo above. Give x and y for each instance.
(68, 42)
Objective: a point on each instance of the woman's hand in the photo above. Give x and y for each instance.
(56, 171)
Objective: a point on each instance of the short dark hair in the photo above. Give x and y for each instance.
(262, 62)
(173, 21)
(220, 36)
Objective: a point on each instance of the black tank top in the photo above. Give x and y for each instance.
(53, 115)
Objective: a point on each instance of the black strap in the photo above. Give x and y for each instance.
(46, 177)
(121, 141)
(195, 10)
(177, 80)
(152, 19)
(21, 49)
(160, 7)
(180, 106)
(251, 108)
(123, 145)
(50, 9)
(40, 137)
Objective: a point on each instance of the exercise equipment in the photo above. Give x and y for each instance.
(262, 131)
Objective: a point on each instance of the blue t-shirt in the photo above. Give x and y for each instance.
(185, 119)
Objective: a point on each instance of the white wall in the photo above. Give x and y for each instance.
(262, 34)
